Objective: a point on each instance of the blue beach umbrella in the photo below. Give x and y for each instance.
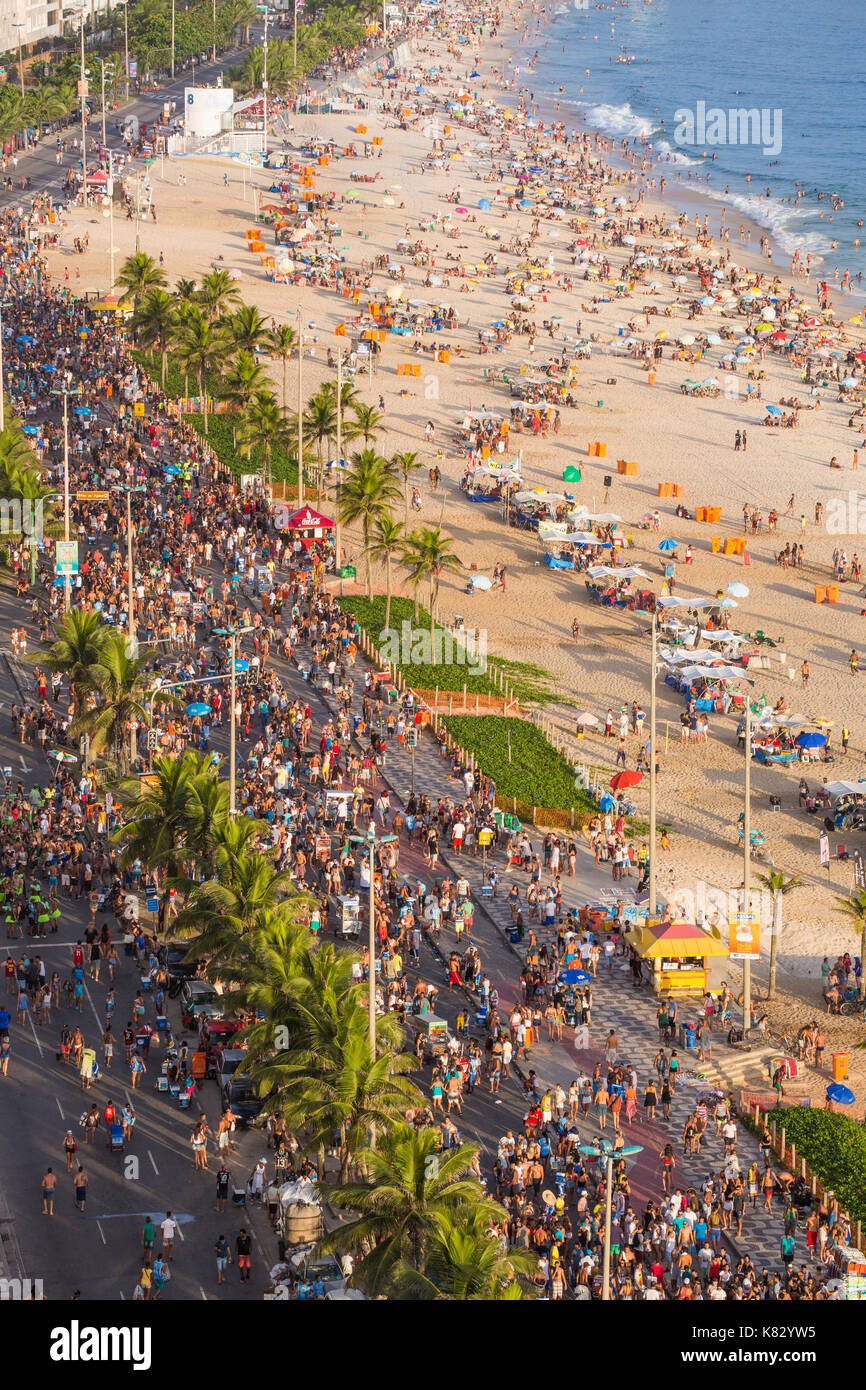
(23, 338)
(241, 665)
(772, 410)
(525, 203)
(196, 710)
(30, 429)
(484, 204)
(810, 740)
(840, 1094)
(668, 544)
(573, 977)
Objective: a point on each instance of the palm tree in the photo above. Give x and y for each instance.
(369, 421)
(218, 291)
(118, 681)
(388, 540)
(406, 463)
(263, 425)
(465, 1266)
(156, 321)
(320, 424)
(854, 908)
(246, 330)
(427, 557)
(201, 346)
(366, 496)
(410, 1187)
(241, 382)
(77, 647)
(167, 826)
(138, 274)
(280, 346)
(227, 908)
(779, 884)
(185, 291)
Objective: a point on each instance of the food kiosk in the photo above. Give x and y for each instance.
(675, 955)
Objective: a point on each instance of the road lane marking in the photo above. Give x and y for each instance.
(60, 1108)
(34, 1032)
(202, 1292)
(102, 1233)
(150, 1156)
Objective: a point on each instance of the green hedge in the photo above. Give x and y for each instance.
(453, 675)
(537, 775)
(219, 436)
(834, 1148)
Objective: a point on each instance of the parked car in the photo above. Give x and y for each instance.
(239, 1097)
(199, 999)
(229, 1060)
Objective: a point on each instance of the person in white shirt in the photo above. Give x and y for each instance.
(168, 1228)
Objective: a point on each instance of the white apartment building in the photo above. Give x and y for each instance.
(28, 21)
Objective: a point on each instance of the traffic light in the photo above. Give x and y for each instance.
(152, 740)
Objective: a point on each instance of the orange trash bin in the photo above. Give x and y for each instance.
(840, 1066)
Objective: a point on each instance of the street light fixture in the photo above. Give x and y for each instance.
(233, 633)
(370, 841)
(65, 393)
(604, 1151)
(19, 25)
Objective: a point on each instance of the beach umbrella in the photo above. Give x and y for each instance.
(737, 590)
(606, 801)
(61, 756)
(196, 710)
(484, 204)
(850, 381)
(668, 544)
(480, 581)
(573, 977)
(586, 720)
(811, 740)
(625, 779)
(727, 603)
(772, 410)
(841, 1094)
(241, 665)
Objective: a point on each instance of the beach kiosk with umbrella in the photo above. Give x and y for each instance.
(307, 525)
(676, 955)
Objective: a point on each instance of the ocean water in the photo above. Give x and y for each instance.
(799, 63)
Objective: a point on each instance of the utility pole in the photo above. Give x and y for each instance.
(84, 95)
(265, 82)
(371, 973)
(300, 409)
(232, 734)
(747, 866)
(295, 38)
(68, 581)
(2, 386)
(652, 786)
(213, 46)
(339, 531)
(19, 27)
(110, 190)
(172, 39)
(126, 43)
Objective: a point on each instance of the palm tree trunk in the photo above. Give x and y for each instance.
(367, 562)
(201, 387)
(432, 606)
(344, 1157)
(406, 500)
(285, 374)
(164, 361)
(774, 944)
(388, 592)
(862, 957)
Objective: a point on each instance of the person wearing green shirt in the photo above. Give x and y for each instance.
(148, 1235)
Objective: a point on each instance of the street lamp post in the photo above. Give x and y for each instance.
(747, 866)
(652, 786)
(110, 192)
(19, 26)
(300, 409)
(605, 1150)
(172, 39)
(265, 82)
(2, 386)
(369, 841)
(338, 537)
(213, 46)
(126, 44)
(232, 633)
(82, 82)
(68, 582)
